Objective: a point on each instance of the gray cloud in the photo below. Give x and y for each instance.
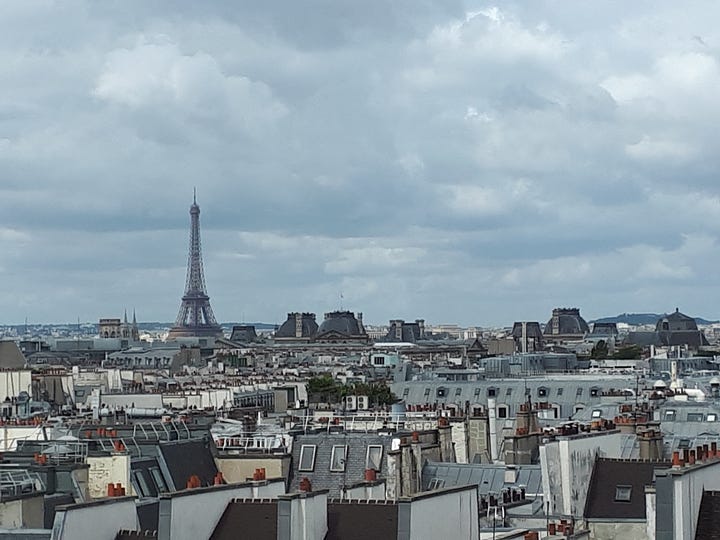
(458, 161)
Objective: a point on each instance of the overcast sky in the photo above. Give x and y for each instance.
(463, 162)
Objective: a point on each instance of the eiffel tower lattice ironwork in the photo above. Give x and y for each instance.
(195, 317)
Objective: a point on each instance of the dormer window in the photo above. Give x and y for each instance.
(623, 493)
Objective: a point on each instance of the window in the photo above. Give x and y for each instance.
(427, 392)
(458, 391)
(684, 443)
(436, 483)
(141, 485)
(623, 493)
(338, 458)
(597, 413)
(159, 480)
(379, 361)
(560, 391)
(406, 391)
(579, 392)
(542, 392)
(477, 392)
(440, 392)
(492, 392)
(711, 417)
(508, 392)
(502, 411)
(307, 457)
(373, 459)
(594, 392)
(695, 417)
(669, 415)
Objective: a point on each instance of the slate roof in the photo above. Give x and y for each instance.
(488, 478)
(342, 322)
(187, 457)
(708, 527)
(256, 519)
(243, 334)
(565, 391)
(308, 324)
(321, 477)
(10, 356)
(609, 474)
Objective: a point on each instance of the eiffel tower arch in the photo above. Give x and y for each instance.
(195, 318)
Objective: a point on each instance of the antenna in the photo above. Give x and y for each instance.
(194, 195)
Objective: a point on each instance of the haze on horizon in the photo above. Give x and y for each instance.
(459, 161)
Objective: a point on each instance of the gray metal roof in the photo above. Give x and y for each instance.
(488, 478)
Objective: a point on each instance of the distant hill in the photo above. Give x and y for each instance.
(636, 319)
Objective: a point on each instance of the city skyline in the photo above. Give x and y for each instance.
(458, 162)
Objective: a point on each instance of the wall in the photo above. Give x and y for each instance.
(108, 469)
(366, 491)
(10, 435)
(460, 440)
(609, 530)
(302, 516)
(679, 494)
(27, 511)
(14, 382)
(567, 464)
(240, 468)
(457, 506)
(477, 432)
(179, 511)
(99, 520)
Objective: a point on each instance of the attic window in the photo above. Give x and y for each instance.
(458, 391)
(436, 483)
(711, 417)
(508, 392)
(440, 392)
(542, 392)
(307, 457)
(669, 415)
(159, 480)
(695, 417)
(594, 392)
(579, 392)
(477, 391)
(373, 460)
(338, 458)
(623, 493)
(427, 392)
(491, 392)
(684, 443)
(560, 391)
(406, 391)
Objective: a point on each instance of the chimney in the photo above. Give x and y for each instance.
(511, 474)
(298, 324)
(421, 326)
(651, 444)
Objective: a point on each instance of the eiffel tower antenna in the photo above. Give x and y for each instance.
(195, 317)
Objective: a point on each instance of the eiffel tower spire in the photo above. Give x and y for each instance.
(195, 317)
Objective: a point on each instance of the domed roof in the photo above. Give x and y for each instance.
(714, 381)
(566, 321)
(675, 322)
(343, 322)
(307, 326)
(659, 384)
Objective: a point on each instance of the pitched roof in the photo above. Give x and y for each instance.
(186, 458)
(708, 527)
(617, 488)
(488, 478)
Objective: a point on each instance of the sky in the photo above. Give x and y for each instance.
(463, 162)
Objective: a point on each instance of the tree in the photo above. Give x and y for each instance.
(600, 350)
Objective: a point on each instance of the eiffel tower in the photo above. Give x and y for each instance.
(195, 318)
